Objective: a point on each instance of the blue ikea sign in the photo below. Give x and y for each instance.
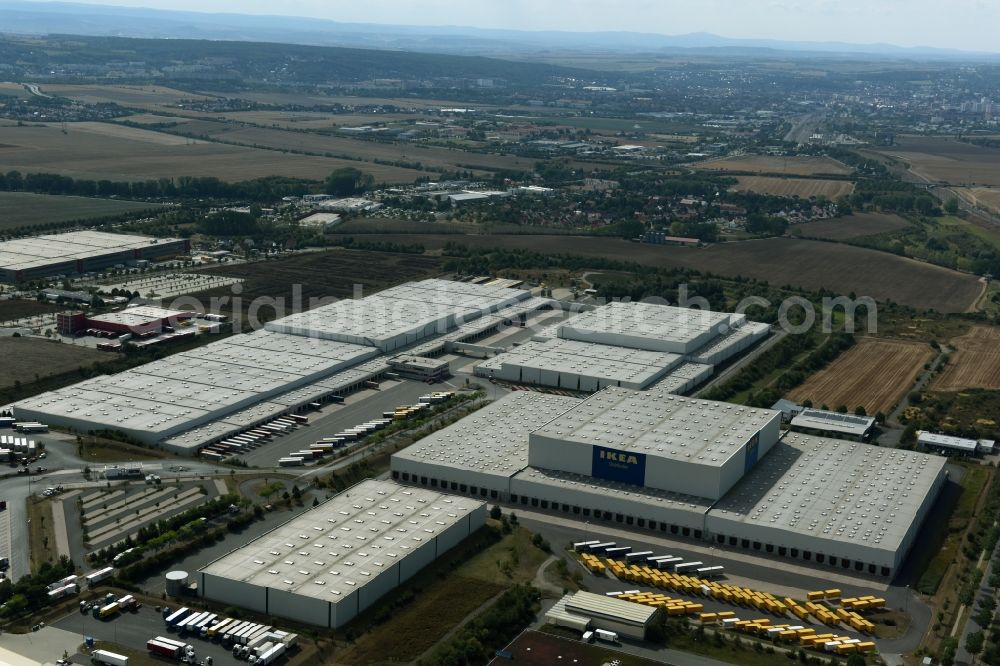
(622, 466)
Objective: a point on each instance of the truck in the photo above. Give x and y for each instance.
(299, 418)
(128, 602)
(202, 625)
(638, 556)
(709, 572)
(582, 546)
(30, 426)
(181, 645)
(618, 552)
(163, 649)
(189, 623)
(227, 635)
(290, 461)
(688, 566)
(104, 612)
(111, 658)
(96, 577)
(606, 636)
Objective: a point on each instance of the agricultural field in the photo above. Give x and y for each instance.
(875, 374)
(792, 166)
(441, 158)
(804, 188)
(142, 97)
(28, 358)
(975, 362)
(780, 261)
(21, 209)
(301, 99)
(115, 152)
(857, 225)
(312, 120)
(949, 161)
(321, 275)
(9, 89)
(983, 197)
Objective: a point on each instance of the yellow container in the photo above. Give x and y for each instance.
(866, 646)
(832, 594)
(813, 596)
(708, 617)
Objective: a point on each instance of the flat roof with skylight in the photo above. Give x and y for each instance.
(348, 551)
(840, 498)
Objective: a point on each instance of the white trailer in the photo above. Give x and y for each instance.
(271, 655)
(637, 556)
(688, 566)
(96, 577)
(710, 572)
(177, 616)
(582, 546)
(290, 461)
(606, 636)
(112, 658)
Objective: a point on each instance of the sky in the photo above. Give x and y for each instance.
(959, 24)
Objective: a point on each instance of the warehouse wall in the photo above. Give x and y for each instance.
(344, 609)
(376, 586)
(466, 477)
(925, 507)
(288, 604)
(417, 559)
(550, 453)
(234, 592)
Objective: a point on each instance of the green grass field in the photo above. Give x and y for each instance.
(19, 209)
(956, 223)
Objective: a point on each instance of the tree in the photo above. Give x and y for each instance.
(856, 660)
(496, 512)
(348, 181)
(951, 206)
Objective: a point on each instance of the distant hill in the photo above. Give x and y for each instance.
(271, 63)
(35, 18)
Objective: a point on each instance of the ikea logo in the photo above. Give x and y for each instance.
(619, 457)
(622, 466)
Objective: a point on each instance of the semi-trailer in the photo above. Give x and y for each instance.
(668, 562)
(189, 622)
(157, 647)
(177, 616)
(227, 635)
(271, 655)
(202, 624)
(260, 630)
(688, 566)
(601, 547)
(111, 658)
(709, 572)
(617, 552)
(638, 556)
(171, 641)
(63, 582)
(299, 418)
(211, 632)
(582, 546)
(96, 577)
(290, 461)
(128, 602)
(606, 636)
(107, 611)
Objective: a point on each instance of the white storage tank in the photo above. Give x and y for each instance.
(177, 581)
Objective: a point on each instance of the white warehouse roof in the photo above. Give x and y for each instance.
(827, 421)
(947, 441)
(660, 424)
(578, 365)
(492, 440)
(649, 326)
(343, 544)
(26, 253)
(849, 498)
(401, 315)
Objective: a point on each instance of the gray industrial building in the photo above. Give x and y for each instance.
(327, 565)
(692, 468)
(77, 252)
(627, 344)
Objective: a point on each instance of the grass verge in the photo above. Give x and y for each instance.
(42, 536)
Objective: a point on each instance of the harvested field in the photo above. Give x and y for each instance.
(301, 120)
(804, 188)
(434, 157)
(24, 358)
(9, 89)
(146, 97)
(975, 362)
(793, 166)
(281, 98)
(321, 275)
(852, 226)
(128, 154)
(948, 160)
(26, 209)
(801, 263)
(984, 197)
(874, 374)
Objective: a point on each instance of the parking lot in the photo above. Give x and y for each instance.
(132, 630)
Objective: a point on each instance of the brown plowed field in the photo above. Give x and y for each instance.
(852, 226)
(802, 263)
(948, 160)
(804, 188)
(793, 166)
(975, 363)
(874, 374)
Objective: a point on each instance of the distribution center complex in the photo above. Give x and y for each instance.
(78, 252)
(189, 400)
(327, 565)
(695, 468)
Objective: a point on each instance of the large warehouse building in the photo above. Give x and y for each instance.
(79, 252)
(693, 468)
(192, 399)
(627, 344)
(329, 564)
